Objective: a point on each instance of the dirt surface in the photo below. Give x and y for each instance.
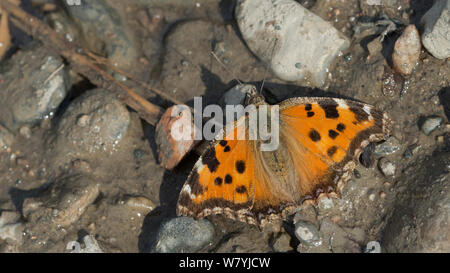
(171, 40)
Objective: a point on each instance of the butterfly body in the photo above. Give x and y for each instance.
(319, 142)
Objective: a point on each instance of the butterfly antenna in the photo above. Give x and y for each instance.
(225, 67)
(267, 66)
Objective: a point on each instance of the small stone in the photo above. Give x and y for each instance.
(174, 143)
(94, 123)
(25, 131)
(307, 233)
(10, 226)
(284, 33)
(407, 51)
(6, 138)
(325, 203)
(382, 195)
(91, 245)
(282, 243)
(184, 234)
(390, 146)
(140, 204)
(237, 94)
(436, 34)
(430, 124)
(83, 121)
(372, 197)
(386, 167)
(37, 92)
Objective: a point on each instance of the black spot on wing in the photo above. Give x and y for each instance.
(209, 159)
(227, 149)
(223, 143)
(314, 135)
(310, 114)
(340, 127)
(240, 166)
(308, 107)
(228, 179)
(330, 108)
(331, 151)
(333, 134)
(218, 181)
(241, 189)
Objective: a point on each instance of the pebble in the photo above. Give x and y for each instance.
(307, 233)
(436, 34)
(184, 235)
(171, 149)
(430, 124)
(237, 94)
(63, 202)
(10, 226)
(140, 204)
(407, 51)
(94, 122)
(75, 195)
(37, 93)
(390, 146)
(296, 43)
(6, 138)
(25, 131)
(90, 246)
(325, 203)
(386, 167)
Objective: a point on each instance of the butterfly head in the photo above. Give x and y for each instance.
(254, 97)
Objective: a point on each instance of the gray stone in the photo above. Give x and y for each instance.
(390, 146)
(10, 226)
(63, 202)
(94, 122)
(184, 234)
(6, 138)
(296, 43)
(237, 94)
(91, 246)
(386, 167)
(430, 124)
(33, 85)
(436, 34)
(307, 233)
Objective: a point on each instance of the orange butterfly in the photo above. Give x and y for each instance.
(320, 140)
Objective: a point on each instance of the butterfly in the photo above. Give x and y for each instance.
(320, 140)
